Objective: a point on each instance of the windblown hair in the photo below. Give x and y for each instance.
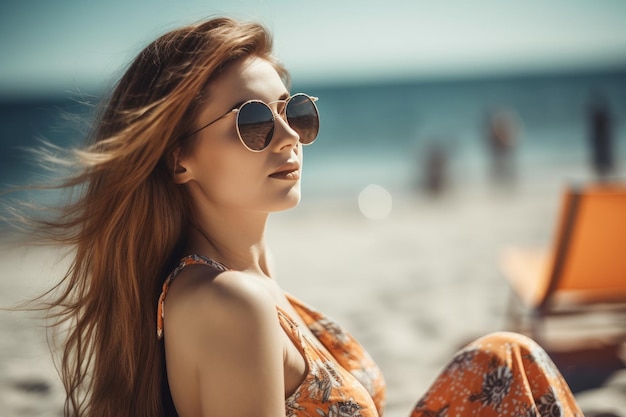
(129, 218)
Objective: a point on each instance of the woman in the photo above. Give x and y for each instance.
(199, 142)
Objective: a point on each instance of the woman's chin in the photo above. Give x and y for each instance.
(290, 200)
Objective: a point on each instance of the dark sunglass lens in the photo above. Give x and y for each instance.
(302, 116)
(255, 122)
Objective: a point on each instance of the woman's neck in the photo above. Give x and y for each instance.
(235, 239)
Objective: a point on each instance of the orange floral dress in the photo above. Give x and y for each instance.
(499, 374)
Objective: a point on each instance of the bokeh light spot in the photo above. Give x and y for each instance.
(375, 202)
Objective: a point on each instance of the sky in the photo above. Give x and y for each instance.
(75, 45)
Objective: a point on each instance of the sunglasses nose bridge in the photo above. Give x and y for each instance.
(281, 108)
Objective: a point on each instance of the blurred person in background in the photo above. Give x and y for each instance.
(601, 136)
(502, 129)
(433, 164)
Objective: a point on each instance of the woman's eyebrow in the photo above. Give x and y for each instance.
(237, 105)
(283, 96)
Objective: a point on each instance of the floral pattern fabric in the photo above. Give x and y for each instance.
(348, 384)
(502, 374)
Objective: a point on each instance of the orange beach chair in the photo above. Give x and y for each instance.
(585, 268)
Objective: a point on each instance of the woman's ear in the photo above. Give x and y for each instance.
(180, 172)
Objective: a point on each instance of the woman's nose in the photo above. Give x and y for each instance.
(284, 135)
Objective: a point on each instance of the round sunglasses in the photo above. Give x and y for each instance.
(256, 121)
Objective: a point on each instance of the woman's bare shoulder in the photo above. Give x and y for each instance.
(203, 300)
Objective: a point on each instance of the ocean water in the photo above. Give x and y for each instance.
(384, 133)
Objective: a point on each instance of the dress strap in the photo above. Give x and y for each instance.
(184, 262)
(290, 327)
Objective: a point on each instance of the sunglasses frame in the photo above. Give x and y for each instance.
(274, 114)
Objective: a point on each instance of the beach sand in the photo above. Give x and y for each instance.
(412, 288)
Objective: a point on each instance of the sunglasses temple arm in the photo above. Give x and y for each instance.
(210, 123)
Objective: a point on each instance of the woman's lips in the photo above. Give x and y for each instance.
(287, 175)
(288, 171)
